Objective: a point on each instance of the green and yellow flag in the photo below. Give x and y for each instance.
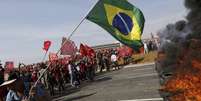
(121, 19)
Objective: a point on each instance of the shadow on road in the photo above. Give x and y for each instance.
(67, 91)
(103, 79)
(80, 97)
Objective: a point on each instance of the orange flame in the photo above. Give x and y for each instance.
(185, 84)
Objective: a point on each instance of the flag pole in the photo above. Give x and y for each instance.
(44, 56)
(73, 32)
(40, 75)
(75, 29)
(69, 37)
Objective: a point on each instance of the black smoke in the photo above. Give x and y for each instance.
(194, 17)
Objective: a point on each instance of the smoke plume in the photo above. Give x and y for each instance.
(172, 39)
(181, 47)
(194, 17)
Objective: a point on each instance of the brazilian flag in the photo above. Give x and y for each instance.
(121, 19)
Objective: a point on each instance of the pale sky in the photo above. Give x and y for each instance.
(25, 24)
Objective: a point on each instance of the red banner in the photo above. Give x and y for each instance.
(83, 50)
(125, 51)
(46, 45)
(90, 51)
(68, 47)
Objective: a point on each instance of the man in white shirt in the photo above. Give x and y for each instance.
(146, 50)
(73, 75)
(70, 70)
(114, 61)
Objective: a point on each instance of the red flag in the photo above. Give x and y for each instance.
(53, 56)
(129, 51)
(68, 48)
(9, 65)
(83, 50)
(125, 51)
(121, 52)
(90, 51)
(46, 45)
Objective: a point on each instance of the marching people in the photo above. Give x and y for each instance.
(58, 74)
(12, 94)
(61, 80)
(100, 61)
(146, 50)
(82, 70)
(51, 82)
(26, 77)
(40, 92)
(12, 75)
(94, 67)
(34, 76)
(72, 72)
(89, 69)
(114, 61)
(43, 72)
(106, 60)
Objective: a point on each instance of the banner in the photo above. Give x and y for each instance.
(125, 51)
(68, 48)
(90, 51)
(46, 45)
(53, 56)
(9, 65)
(83, 50)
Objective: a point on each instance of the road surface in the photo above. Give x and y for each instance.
(131, 83)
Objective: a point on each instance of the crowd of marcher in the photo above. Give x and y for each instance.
(34, 82)
(107, 59)
(54, 75)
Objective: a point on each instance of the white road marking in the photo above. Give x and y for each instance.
(141, 76)
(139, 69)
(150, 99)
(139, 65)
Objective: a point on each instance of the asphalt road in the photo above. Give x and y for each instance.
(132, 83)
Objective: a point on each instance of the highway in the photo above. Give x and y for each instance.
(131, 83)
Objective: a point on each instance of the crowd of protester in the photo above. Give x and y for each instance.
(55, 75)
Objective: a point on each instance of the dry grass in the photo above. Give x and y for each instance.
(145, 58)
(141, 58)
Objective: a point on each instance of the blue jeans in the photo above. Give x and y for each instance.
(27, 88)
